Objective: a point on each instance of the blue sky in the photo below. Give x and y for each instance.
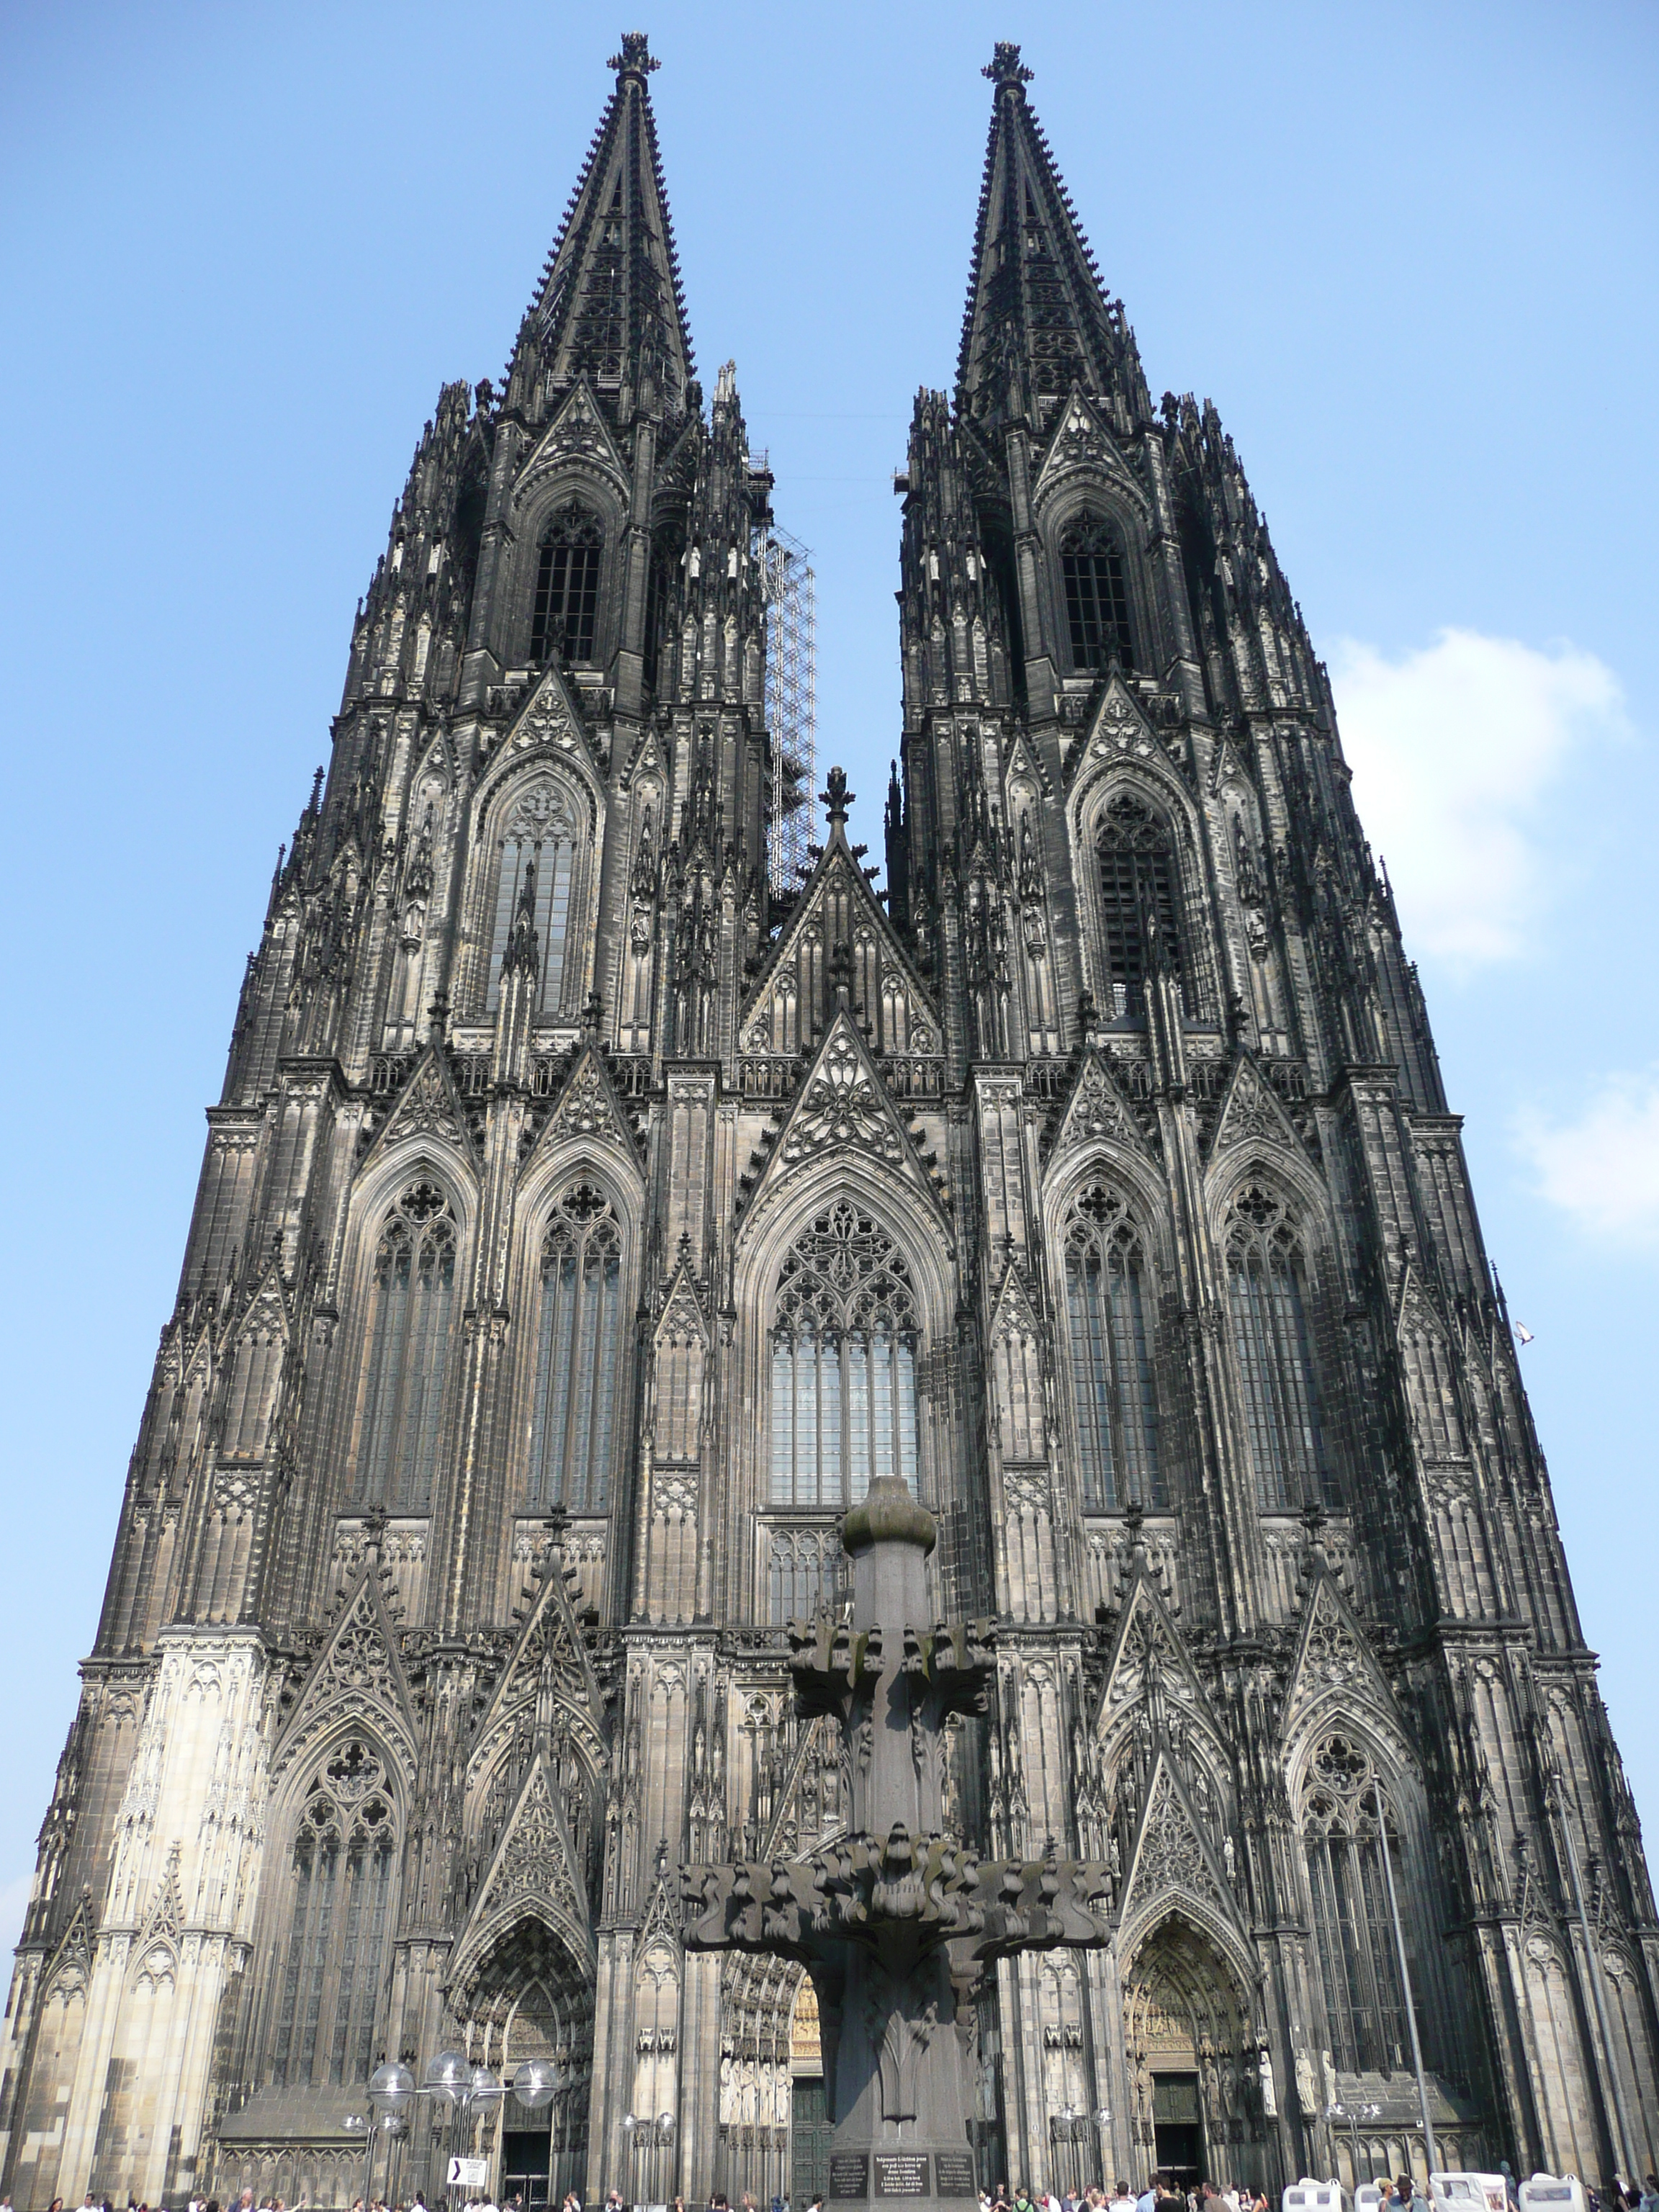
(1410, 253)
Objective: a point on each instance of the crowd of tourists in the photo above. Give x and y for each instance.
(1163, 2193)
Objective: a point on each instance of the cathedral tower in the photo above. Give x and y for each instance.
(584, 1224)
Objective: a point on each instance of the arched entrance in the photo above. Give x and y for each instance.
(526, 1997)
(810, 2126)
(1191, 2059)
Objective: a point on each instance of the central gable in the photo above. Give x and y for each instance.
(839, 925)
(843, 1106)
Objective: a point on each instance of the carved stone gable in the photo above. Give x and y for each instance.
(843, 1104)
(268, 1309)
(534, 1858)
(70, 1969)
(1082, 442)
(1171, 1854)
(166, 1912)
(661, 1923)
(1096, 1110)
(577, 432)
(549, 1665)
(838, 914)
(588, 1106)
(1015, 1313)
(683, 1318)
(1251, 1114)
(429, 1107)
(1120, 729)
(1149, 1660)
(357, 1672)
(549, 718)
(1332, 1661)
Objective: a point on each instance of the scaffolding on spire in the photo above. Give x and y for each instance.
(788, 588)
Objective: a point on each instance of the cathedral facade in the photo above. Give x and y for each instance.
(585, 1221)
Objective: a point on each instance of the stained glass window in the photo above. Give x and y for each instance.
(333, 1959)
(1266, 1274)
(1111, 1335)
(411, 1325)
(843, 1363)
(1345, 1829)
(578, 1355)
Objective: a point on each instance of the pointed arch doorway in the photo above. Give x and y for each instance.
(1191, 2059)
(528, 1997)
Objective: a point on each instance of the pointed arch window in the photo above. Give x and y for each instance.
(332, 1959)
(1267, 1295)
(1110, 1333)
(1139, 908)
(540, 843)
(410, 1330)
(843, 1363)
(573, 1434)
(566, 609)
(1345, 1827)
(1097, 596)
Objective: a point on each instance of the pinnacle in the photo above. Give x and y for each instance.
(1004, 69)
(636, 58)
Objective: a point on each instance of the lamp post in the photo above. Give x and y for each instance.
(1433, 2155)
(391, 2093)
(355, 2124)
(1353, 2114)
(631, 2127)
(1066, 2126)
(1102, 2129)
(451, 2079)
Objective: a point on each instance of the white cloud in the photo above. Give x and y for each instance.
(1454, 748)
(1603, 1167)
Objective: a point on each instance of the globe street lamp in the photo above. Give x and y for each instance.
(354, 2124)
(451, 2079)
(1353, 2114)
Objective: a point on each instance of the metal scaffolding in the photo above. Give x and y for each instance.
(789, 588)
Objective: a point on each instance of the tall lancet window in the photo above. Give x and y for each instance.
(1109, 1323)
(1097, 596)
(566, 609)
(539, 846)
(1267, 1286)
(1345, 1827)
(843, 1363)
(1137, 901)
(331, 1958)
(411, 1326)
(572, 1437)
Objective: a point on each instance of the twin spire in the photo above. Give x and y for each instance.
(610, 308)
(1037, 320)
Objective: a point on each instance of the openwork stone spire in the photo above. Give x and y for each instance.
(610, 307)
(1038, 320)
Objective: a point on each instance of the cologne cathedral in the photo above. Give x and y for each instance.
(589, 1213)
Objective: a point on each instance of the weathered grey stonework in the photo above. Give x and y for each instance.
(581, 1225)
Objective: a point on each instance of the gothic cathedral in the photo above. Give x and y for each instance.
(590, 1214)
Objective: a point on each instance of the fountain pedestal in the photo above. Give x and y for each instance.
(895, 1921)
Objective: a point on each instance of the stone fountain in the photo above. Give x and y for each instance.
(895, 1921)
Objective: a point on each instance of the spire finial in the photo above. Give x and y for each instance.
(636, 58)
(1005, 67)
(836, 798)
